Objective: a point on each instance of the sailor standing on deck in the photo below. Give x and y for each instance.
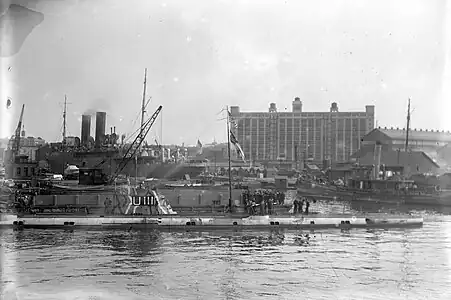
(262, 205)
(307, 205)
(301, 202)
(270, 204)
(297, 204)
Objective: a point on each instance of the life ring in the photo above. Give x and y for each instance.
(437, 188)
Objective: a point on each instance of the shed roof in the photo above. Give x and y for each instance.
(390, 157)
(364, 149)
(414, 134)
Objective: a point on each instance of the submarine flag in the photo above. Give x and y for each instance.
(238, 148)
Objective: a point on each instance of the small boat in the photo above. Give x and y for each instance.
(393, 191)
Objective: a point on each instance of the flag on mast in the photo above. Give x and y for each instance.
(233, 122)
(199, 147)
(235, 143)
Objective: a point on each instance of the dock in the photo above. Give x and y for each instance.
(227, 222)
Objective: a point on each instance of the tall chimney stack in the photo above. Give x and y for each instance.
(100, 128)
(85, 129)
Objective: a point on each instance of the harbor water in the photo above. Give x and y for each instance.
(356, 264)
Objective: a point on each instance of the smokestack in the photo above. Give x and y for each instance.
(111, 130)
(114, 130)
(85, 129)
(100, 128)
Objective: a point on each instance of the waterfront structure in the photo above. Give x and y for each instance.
(431, 142)
(419, 139)
(407, 163)
(3, 147)
(28, 146)
(300, 136)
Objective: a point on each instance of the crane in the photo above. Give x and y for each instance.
(131, 151)
(16, 144)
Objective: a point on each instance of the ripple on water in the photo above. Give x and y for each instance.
(358, 264)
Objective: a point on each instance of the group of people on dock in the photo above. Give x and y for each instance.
(262, 202)
(263, 199)
(301, 205)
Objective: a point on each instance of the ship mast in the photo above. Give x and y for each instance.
(64, 122)
(143, 105)
(230, 164)
(64, 119)
(408, 126)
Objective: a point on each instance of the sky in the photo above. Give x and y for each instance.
(204, 55)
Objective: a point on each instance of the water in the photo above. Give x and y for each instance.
(358, 264)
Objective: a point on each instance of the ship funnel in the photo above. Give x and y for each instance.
(85, 129)
(100, 128)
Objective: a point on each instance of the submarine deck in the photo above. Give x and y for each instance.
(177, 222)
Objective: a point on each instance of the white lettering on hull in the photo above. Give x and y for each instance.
(141, 201)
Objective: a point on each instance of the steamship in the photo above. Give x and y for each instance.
(106, 151)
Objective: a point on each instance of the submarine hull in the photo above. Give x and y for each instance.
(166, 222)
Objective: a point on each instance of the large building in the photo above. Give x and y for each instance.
(298, 135)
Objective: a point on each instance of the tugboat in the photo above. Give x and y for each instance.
(373, 186)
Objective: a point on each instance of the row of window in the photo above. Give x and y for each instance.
(26, 171)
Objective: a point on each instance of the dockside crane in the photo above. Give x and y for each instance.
(136, 144)
(16, 145)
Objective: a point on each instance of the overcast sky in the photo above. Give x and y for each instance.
(204, 55)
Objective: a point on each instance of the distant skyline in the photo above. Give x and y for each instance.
(204, 55)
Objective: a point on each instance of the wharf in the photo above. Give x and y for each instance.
(225, 222)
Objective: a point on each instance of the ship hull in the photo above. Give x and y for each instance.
(96, 198)
(147, 167)
(170, 223)
(440, 199)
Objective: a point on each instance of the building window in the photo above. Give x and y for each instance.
(18, 171)
(25, 171)
(32, 171)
